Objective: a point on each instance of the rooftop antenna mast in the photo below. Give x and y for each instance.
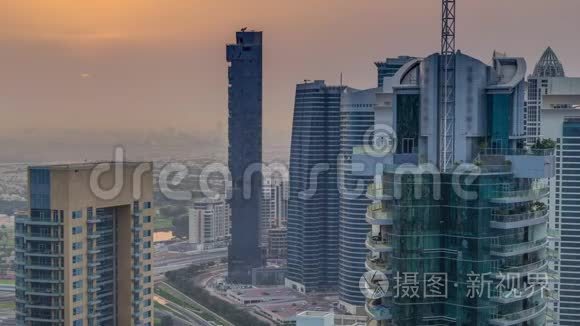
(447, 86)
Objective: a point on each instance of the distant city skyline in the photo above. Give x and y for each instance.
(157, 67)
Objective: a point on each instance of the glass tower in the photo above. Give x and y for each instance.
(449, 238)
(313, 204)
(245, 153)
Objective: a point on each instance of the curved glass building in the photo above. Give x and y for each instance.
(357, 123)
(313, 205)
(468, 246)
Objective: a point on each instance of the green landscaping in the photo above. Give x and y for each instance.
(182, 280)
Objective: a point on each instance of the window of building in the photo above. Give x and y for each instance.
(77, 272)
(147, 204)
(147, 268)
(78, 284)
(78, 297)
(146, 219)
(77, 215)
(77, 245)
(147, 279)
(77, 310)
(77, 259)
(77, 229)
(78, 322)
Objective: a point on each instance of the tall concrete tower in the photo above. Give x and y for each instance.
(245, 152)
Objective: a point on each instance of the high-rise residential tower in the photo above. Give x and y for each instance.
(245, 153)
(560, 122)
(357, 124)
(274, 206)
(209, 223)
(84, 255)
(437, 233)
(357, 115)
(539, 84)
(313, 206)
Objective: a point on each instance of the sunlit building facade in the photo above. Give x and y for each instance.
(84, 257)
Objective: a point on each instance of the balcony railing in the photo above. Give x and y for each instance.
(378, 312)
(507, 217)
(517, 317)
(518, 248)
(507, 196)
(377, 264)
(379, 243)
(377, 214)
(377, 192)
(516, 151)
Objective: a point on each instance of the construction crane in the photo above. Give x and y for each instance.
(447, 87)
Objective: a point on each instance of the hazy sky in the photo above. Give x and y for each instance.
(145, 65)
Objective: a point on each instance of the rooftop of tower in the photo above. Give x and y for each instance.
(549, 65)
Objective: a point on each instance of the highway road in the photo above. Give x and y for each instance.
(170, 261)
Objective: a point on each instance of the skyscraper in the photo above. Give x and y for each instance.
(357, 115)
(245, 153)
(475, 221)
(539, 84)
(313, 206)
(560, 122)
(83, 258)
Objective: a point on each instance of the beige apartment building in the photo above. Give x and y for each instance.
(84, 250)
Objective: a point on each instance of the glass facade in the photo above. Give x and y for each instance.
(567, 215)
(357, 121)
(313, 205)
(245, 153)
(453, 236)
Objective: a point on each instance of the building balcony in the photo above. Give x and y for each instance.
(379, 243)
(44, 305)
(378, 312)
(508, 220)
(45, 319)
(43, 252)
(523, 270)
(43, 267)
(45, 279)
(43, 291)
(519, 317)
(377, 214)
(514, 295)
(375, 192)
(508, 250)
(526, 163)
(33, 236)
(519, 196)
(377, 264)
